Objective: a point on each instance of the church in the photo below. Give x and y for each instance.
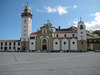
(47, 38)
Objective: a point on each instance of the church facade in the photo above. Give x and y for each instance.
(48, 37)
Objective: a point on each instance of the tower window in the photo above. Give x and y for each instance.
(81, 27)
(24, 21)
(81, 32)
(56, 43)
(24, 34)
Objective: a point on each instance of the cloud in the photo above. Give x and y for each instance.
(40, 10)
(75, 22)
(95, 24)
(75, 6)
(60, 9)
(50, 10)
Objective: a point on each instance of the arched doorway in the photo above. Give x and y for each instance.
(44, 44)
(44, 47)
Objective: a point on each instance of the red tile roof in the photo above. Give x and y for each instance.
(33, 33)
(65, 32)
(10, 40)
(64, 37)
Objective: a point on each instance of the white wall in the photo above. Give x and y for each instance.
(65, 47)
(73, 46)
(27, 28)
(32, 46)
(56, 46)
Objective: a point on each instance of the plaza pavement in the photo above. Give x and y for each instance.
(87, 63)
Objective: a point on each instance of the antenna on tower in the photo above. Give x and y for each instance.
(48, 21)
(27, 3)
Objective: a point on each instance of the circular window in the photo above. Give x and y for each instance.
(56, 42)
(73, 42)
(32, 43)
(64, 43)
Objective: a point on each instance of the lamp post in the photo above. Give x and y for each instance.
(49, 35)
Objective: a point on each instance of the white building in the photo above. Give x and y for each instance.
(60, 39)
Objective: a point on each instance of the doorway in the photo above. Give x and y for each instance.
(44, 47)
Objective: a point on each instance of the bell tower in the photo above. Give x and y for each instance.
(26, 27)
(81, 31)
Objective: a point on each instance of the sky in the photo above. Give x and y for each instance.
(64, 13)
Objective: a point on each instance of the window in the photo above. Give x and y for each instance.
(5, 43)
(25, 10)
(1, 43)
(64, 43)
(57, 35)
(24, 34)
(73, 42)
(9, 47)
(18, 43)
(9, 43)
(24, 26)
(56, 43)
(14, 43)
(81, 42)
(32, 43)
(24, 30)
(44, 31)
(32, 37)
(81, 36)
(1, 47)
(81, 27)
(44, 40)
(73, 35)
(24, 21)
(13, 47)
(65, 35)
(81, 32)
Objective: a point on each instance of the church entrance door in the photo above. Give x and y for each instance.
(44, 47)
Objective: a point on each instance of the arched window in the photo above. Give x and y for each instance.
(44, 40)
(57, 35)
(65, 35)
(73, 35)
(81, 26)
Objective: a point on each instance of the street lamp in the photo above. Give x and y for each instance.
(49, 34)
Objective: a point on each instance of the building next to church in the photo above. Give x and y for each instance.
(73, 38)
